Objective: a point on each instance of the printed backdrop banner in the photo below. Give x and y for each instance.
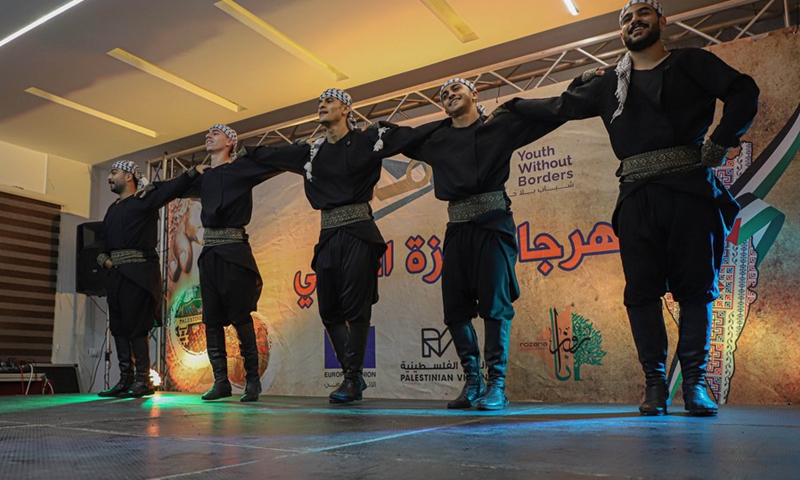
(570, 339)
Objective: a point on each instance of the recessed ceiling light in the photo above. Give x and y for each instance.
(573, 9)
(179, 82)
(35, 24)
(90, 111)
(276, 36)
(451, 19)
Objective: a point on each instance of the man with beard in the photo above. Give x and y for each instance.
(471, 162)
(340, 171)
(128, 249)
(672, 214)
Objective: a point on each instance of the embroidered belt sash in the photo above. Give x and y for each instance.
(659, 162)
(221, 236)
(345, 215)
(464, 210)
(121, 257)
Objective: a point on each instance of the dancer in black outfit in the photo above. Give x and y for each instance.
(672, 214)
(129, 236)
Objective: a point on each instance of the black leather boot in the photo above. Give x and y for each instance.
(141, 354)
(694, 342)
(126, 378)
(469, 352)
(353, 384)
(339, 334)
(218, 356)
(650, 338)
(249, 350)
(495, 351)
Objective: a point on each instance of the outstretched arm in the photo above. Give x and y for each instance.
(408, 141)
(164, 192)
(289, 158)
(579, 101)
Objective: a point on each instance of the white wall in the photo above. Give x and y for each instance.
(79, 325)
(46, 177)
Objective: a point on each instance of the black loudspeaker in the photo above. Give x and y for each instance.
(90, 278)
(63, 377)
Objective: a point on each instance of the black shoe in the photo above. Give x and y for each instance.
(474, 389)
(141, 356)
(655, 401)
(139, 390)
(126, 377)
(219, 390)
(248, 347)
(495, 398)
(469, 353)
(121, 387)
(349, 391)
(650, 338)
(251, 391)
(352, 387)
(694, 341)
(217, 356)
(697, 402)
(495, 351)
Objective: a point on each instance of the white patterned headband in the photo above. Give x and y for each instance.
(343, 97)
(340, 95)
(462, 81)
(653, 3)
(466, 83)
(131, 167)
(230, 133)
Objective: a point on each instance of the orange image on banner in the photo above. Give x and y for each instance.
(188, 368)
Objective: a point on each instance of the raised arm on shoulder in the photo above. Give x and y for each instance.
(579, 101)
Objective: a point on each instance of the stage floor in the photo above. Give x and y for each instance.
(175, 435)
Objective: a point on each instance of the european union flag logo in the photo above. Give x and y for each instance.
(369, 356)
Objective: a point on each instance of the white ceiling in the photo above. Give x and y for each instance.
(368, 40)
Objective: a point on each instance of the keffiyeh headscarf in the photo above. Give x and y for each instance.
(230, 133)
(466, 83)
(345, 98)
(653, 3)
(133, 169)
(625, 65)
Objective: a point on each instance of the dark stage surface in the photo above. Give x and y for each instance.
(176, 435)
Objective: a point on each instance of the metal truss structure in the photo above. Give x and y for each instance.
(718, 23)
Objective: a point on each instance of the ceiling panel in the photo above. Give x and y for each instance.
(369, 40)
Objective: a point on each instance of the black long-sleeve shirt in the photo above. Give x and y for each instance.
(670, 105)
(226, 198)
(226, 192)
(132, 223)
(342, 173)
(475, 159)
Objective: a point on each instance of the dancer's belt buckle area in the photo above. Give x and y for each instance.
(121, 257)
(464, 210)
(345, 215)
(659, 162)
(221, 236)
